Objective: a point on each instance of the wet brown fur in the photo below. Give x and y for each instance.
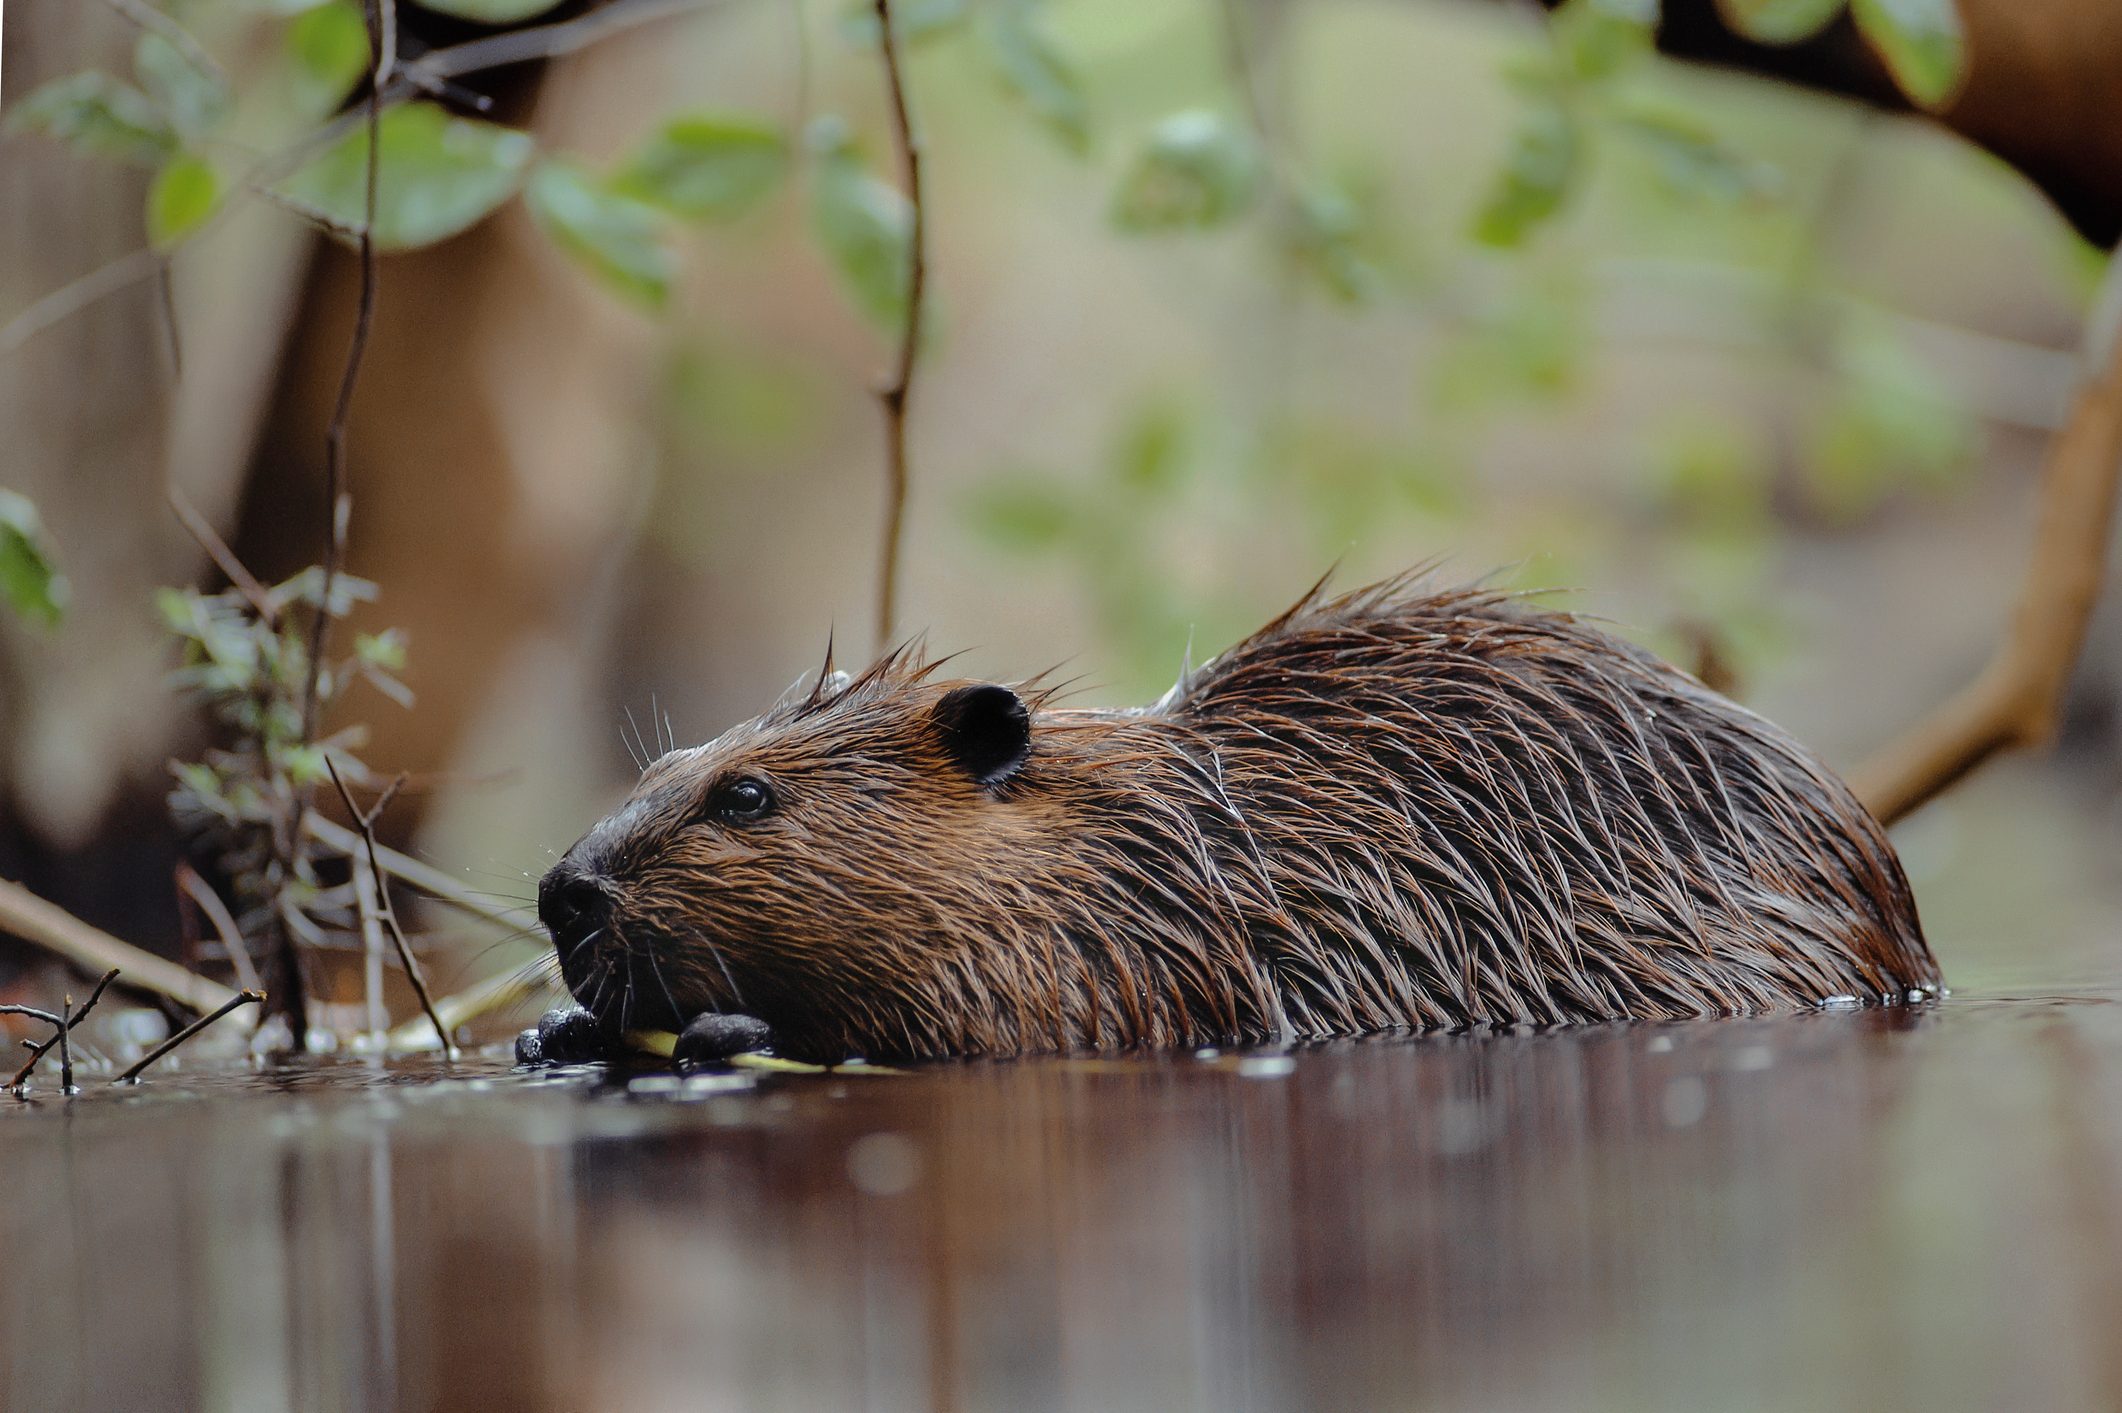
(1395, 808)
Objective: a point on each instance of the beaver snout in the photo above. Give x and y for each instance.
(575, 905)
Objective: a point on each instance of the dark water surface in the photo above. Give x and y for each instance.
(1867, 1210)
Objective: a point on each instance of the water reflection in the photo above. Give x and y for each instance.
(1879, 1209)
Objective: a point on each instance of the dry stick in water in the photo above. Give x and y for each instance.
(243, 998)
(2016, 699)
(895, 393)
(23, 914)
(74, 1018)
(365, 821)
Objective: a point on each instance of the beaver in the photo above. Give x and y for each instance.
(1401, 808)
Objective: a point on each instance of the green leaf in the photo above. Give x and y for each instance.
(1326, 236)
(489, 12)
(185, 192)
(1779, 21)
(28, 582)
(1922, 42)
(328, 47)
(193, 97)
(1035, 73)
(1692, 161)
(1023, 511)
(1545, 154)
(1599, 38)
(864, 223)
(384, 651)
(912, 20)
(706, 165)
(1198, 169)
(613, 236)
(438, 176)
(1150, 456)
(96, 114)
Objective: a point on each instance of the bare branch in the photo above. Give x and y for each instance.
(2016, 699)
(895, 394)
(23, 914)
(365, 820)
(217, 913)
(245, 998)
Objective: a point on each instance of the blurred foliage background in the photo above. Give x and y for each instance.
(1223, 296)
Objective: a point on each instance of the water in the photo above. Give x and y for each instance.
(1861, 1209)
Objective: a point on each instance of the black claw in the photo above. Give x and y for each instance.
(530, 1049)
(715, 1036)
(567, 1035)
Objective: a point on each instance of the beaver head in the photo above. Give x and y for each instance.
(825, 867)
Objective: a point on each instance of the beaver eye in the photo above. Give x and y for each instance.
(742, 800)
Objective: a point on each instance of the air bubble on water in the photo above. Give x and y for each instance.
(1684, 1102)
(884, 1164)
(1208, 1052)
(1659, 1045)
(1461, 1129)
(1841, 1003)
(1266, 1066)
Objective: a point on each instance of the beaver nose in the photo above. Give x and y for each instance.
(573, 904)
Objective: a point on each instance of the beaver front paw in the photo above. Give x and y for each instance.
(715, 1036)
(565, 1035)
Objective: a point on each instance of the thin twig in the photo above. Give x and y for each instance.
(407, 869)
(23, 914)
(245, 998)
(201, 529)
(380, 18)
(371, 946)
(66, 1044)
(382, 29)
(894, 395)
(149, 18)
(74, 1018)
(365, 821)
(463, 1007)
(2016, 700)
(217, 913)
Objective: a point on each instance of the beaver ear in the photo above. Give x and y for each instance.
(986, 729)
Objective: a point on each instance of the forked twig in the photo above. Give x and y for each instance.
(74, 1018)
(365, 822)
(242, 998)
(894, 394)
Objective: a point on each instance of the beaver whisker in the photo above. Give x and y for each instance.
(678, 1016)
